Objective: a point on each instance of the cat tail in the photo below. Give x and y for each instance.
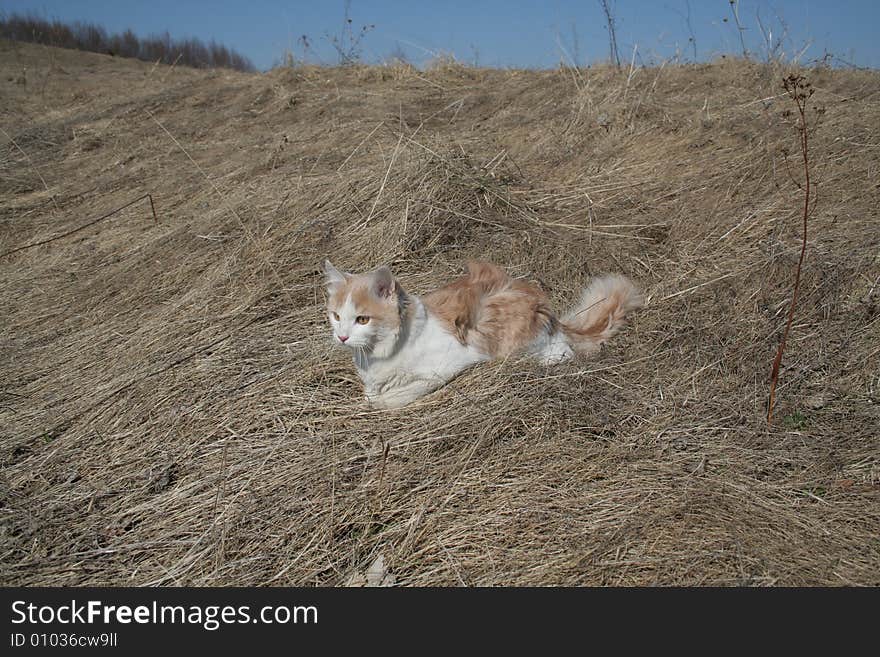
(601, 312)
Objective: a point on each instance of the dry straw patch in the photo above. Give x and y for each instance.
(172, 412)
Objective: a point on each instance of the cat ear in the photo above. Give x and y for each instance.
(333, 276)
(384, 284)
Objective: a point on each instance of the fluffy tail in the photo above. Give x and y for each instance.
(601, 312)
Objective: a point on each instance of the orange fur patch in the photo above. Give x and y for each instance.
(488, 309)
(601, 312)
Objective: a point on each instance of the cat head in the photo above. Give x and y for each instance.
(365, 310)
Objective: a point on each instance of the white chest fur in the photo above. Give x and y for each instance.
(425, 357)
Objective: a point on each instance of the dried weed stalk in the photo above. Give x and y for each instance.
(799, 90)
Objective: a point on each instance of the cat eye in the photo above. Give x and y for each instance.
(335, 316)
(362, 319)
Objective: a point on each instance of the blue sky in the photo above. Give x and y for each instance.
(515, 33)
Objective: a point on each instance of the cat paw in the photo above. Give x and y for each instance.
(399, 397)
(556, 355)
(384, 401)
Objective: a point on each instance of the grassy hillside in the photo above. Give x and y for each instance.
(172, 410)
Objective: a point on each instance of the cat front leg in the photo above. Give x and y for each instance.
(402, 395)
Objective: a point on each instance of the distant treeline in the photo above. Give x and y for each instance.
(94, 38)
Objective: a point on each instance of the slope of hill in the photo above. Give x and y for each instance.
(173, 412)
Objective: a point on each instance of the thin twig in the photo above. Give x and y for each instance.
(259, 248)
(102, 403)
(33, 166)
(612, 31)
(734, 8)
(384, 181)
(84, 226)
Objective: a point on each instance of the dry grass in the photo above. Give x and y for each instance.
(172, 411)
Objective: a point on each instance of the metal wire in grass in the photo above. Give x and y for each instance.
(84, 226)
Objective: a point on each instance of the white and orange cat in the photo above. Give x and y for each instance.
(405, 346)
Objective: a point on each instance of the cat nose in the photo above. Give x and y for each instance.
(343, 338)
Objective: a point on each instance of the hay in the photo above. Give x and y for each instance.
(172, 411)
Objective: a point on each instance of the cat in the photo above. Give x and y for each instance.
(405, 346)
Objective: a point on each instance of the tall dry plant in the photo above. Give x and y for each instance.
(610, 20)
(734, 9)
(348, 44)
(799, 90)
